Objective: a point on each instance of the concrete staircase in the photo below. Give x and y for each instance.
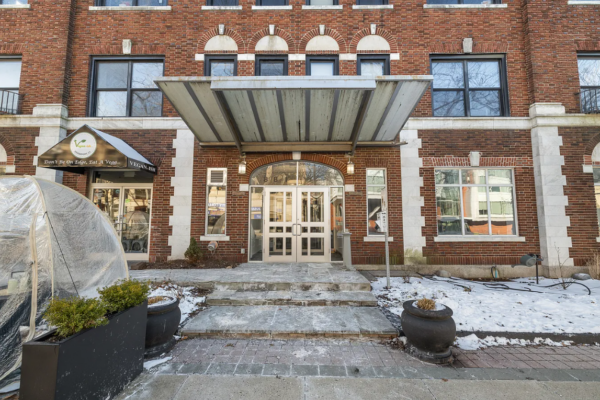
(291, 301)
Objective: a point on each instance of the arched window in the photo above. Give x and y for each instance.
(296, 173)
(3, 160)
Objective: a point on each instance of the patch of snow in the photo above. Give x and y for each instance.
(480, 308)
(154, 363)
(472, 342)
(188, 302)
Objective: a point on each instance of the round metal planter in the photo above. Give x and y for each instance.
(430, 333)
(163, 321)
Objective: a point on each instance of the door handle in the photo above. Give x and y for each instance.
(293, 230)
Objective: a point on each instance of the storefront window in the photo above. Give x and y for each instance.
(256, 224)
(216, 205)
(597, 189)
(475, 202)
(376, 184)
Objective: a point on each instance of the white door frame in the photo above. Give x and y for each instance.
(119, 224)
(294, 230)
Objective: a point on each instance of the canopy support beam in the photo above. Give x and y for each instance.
(233, 128)
(360, 119)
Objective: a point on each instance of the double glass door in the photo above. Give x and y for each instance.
(128, 208)
(296, 225)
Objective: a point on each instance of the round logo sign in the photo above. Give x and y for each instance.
(83, 145)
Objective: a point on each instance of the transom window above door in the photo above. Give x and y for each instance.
(292, 173)
(125, 88)
(469, 87)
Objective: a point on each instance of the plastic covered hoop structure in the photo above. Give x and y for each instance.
(53, 242)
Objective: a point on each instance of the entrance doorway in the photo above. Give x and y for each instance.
(296, 213)
(126, 198)
(297, 224)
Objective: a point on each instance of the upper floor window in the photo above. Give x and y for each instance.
(321, 2)
(125, 87)
(464, 2)
(271, 65)
(222, 3)
(371, 2)
(271, 2)
(589, 80)
(131, 3)
(322, 65)
(10, 77)
(373, 64)
(475, 202)
(7, 2)
(471, 86)
(221, 65)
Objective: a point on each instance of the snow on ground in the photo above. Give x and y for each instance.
(479, 308)
(472, 342)
(188, 301)
(154, 363)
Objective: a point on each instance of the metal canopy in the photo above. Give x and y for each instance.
(302, 113)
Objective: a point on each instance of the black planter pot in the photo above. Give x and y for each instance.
(430, 333)
(163, 321)
(92, 364)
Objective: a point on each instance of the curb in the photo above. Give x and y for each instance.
(576, 338)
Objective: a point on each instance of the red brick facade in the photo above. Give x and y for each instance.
(540, 40)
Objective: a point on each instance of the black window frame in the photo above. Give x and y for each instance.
(259, 3)
(212, 4)
(504, 98)
(92, 91)
(384, 57)
(208, 59)
(371, 3)
(259, 58)
(335, 3)
(460, 2)
(321, 58)
(134, 3)
(594, 109)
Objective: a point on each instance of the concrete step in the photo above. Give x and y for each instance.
(279, 322)
(307, 298)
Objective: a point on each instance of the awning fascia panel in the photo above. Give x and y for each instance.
(295, 109)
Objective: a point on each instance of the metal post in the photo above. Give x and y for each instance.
(387, 259)
(537, 276)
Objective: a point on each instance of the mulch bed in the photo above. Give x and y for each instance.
(208, 263)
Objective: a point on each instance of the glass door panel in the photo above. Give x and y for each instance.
(314, 237)
(280, 207)
(109, 202)
(136, 220)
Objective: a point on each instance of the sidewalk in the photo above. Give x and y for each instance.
(208, 387)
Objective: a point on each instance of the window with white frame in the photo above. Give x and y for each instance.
(597, 190)
(475, 201)
(216, 204)
(376, 185)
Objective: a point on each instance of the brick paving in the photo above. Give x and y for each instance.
(305, 352)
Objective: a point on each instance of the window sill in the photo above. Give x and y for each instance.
(131, 8)
(8, 6)
(478, 238)
(267, 8)
(377, 239)
(465, 5)
(215, 238)
(584, 3)
(222, 8)
(340, 7)
(373, 7)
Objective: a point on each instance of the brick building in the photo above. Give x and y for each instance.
(496, 160)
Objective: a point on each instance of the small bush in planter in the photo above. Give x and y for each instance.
(75, 314)
(124, 294)
(193, 253)
(426, 304)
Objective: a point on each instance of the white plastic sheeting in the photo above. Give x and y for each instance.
(53, 241)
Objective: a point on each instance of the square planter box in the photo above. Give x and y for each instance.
(92, 364)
